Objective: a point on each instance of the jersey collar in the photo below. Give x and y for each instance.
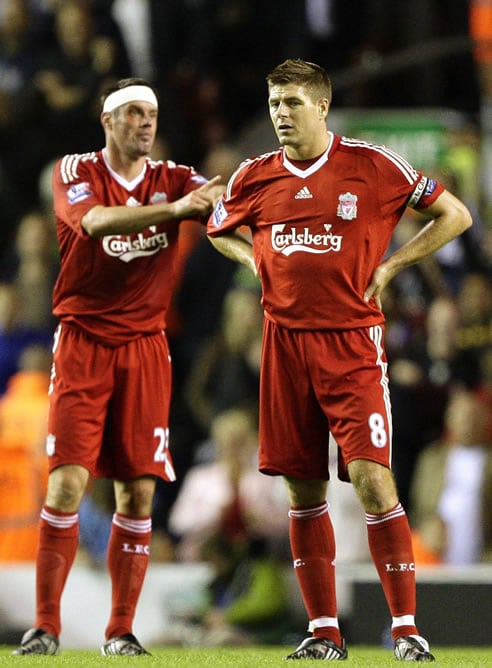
(304, 173)
(128, 185)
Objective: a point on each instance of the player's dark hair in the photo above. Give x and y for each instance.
(124, 83)
(302, 73)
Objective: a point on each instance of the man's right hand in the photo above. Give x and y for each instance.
(200, 202)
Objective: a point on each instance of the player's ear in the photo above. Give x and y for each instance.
(106, 120)
(323, 106)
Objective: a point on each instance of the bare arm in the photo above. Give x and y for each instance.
(236, 247)
(450, 218)
(103, 220)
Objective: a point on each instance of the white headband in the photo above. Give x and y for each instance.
(129, 94)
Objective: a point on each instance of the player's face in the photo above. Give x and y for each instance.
(135, 127)
(298, 118)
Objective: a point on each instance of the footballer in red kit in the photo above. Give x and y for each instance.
(120, 288)
(116, 292)
(316, 249)
(118, 214)
(321, 244)
(321, 211)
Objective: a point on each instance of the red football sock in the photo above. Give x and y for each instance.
(128, 558)
(312, 541)
(391, 549)
(57, 547)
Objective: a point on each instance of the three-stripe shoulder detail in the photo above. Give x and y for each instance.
(247, 163)
(69, 165)
(409, 172)
(154, 164)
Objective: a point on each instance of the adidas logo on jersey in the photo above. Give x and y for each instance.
(304, 193)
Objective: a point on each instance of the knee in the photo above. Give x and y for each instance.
(135, 498)
(66, 487)
(375, 486)
(304, 493)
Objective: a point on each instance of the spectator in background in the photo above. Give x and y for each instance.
(219, 517)
(475, 305)
(57, 103)
(65, 56)
(25, 296)
(104, 21)
(441, 362)
(424, 368)
(15, 335)
(464, 254)
(452, 488)
(474, 336)
(483, 391)
(24, 470)
(20, 55)
(421, 379)
(225, 372)
(223, 492)
(249, 602)
(73, 73)
(35, 265)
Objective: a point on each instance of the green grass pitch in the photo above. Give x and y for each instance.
(249, 657)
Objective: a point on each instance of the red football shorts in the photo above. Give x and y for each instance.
(109, 409)
(314, 382)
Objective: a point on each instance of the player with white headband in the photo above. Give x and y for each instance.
(118, 214)
(131, 93)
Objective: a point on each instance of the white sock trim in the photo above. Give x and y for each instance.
(379, 518)
(133, 525)
(322, 621)
(404, 620)
(59, 521)
(309, 513)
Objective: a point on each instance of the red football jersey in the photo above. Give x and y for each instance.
(319, 232)
(115, 288)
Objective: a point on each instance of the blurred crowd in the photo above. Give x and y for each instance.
(208, 59)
